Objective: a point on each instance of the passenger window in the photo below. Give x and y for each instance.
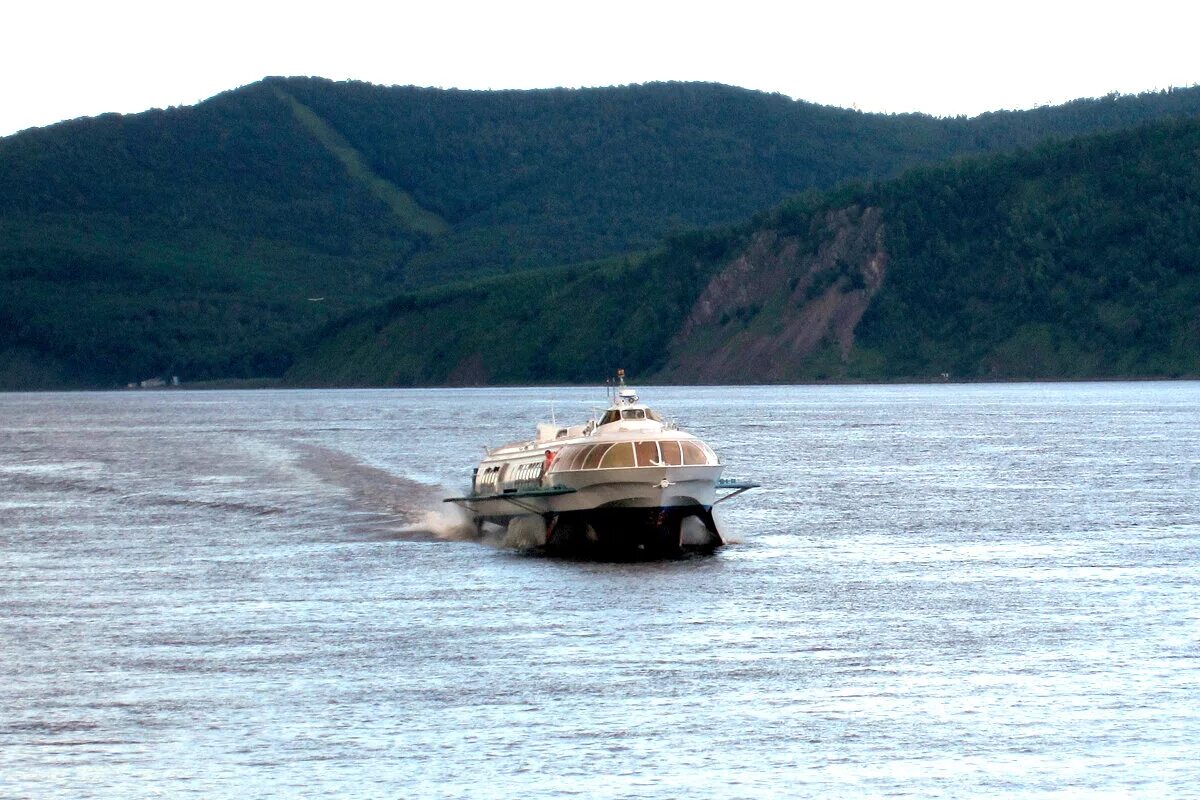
(619, 455)
(647, 454)
(670, 453)
(565, 456)
(575, 458)
(693, 454)
(593, 457)
(611, 415)
(583, 454)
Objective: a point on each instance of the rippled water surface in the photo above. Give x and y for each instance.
(940, 590)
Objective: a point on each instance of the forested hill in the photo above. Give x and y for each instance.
(209, 241)
(538, 178)
(1076, 259)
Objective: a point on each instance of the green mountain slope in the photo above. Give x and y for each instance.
(186, 241)
(557, 324)
(210, 241)
(1075, 259)
(407, 211)
(539, 178)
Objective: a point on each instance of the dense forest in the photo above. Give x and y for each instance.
(1072, 259)
(1078, 259)
(212, 241)
(541, 178)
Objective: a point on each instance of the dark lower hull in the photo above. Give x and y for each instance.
(632, 533)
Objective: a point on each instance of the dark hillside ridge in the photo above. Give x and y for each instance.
(1076, 259)
(211, 241)
(181, 242)
(546, 177)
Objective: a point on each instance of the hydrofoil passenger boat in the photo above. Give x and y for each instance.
(628, 483)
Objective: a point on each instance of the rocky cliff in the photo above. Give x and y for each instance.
(783, 305)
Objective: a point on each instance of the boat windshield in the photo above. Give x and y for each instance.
(650, 453)
(614, 414)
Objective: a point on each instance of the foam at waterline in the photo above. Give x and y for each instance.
(693, 532)
(448, 522)
(729, 531)
(524, 533)
(454, 524)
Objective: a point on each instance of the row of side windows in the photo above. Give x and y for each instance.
(490, 478)
(530, 472)
(487, 478)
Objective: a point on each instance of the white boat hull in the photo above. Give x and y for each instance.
(637, 487)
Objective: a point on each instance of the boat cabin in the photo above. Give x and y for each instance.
(636, 413)
(627, 412)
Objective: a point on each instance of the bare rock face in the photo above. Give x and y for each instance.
(470, 371)
(780, 303)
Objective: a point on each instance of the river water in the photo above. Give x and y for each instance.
(940, 591)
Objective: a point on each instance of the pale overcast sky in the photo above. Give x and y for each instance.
(60, 60)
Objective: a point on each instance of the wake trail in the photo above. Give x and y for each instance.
(396, 507)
